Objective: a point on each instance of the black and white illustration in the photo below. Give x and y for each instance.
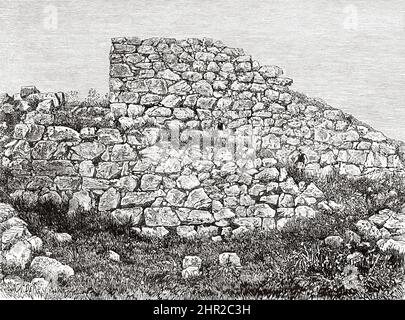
(196, 150)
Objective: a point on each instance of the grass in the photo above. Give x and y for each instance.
(275, 265)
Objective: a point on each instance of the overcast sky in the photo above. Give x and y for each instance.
(350, 53)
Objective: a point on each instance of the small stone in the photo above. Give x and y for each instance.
(180, 88)
(198, 199)
(216, 239)
(267, 175)
(203, 87)
(118, 109)
(135, 110)
(159, 232)
(395, 224)
(18, 256)
(394, 245)
(46, 106)
(196, 217)
(51, 269)
(168, 75)
(186, 232)
(192, 261)
(334, 242)
(171, 165)
(161, 216)
(313, 191)
(367, 230)
(113, 256)
(381, 218)
(109, 136)
(171, 101)
(127, 217)
(263, 210)
(12, 280)
(223, 213)
(62, 238)
(123, 152)
(229, 259)
(352, 237)
(80, 202)
(207, 232)
(156, 86)
(191, 76)
(150, 182)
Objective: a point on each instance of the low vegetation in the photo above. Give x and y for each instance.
(293, 263)
(276, 265)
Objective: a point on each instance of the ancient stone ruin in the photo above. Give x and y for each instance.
(205, 142)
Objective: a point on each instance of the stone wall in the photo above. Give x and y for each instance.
(156, 186)
(200, 84)
(204, 143)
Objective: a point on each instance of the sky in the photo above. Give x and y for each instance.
(349, 53)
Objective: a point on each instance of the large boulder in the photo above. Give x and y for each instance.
(10, 236)
(18, 256)
(109, 200)
(198, 199)
(50, 269)
(6, 212)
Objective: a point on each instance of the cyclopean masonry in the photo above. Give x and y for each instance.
(203, 143)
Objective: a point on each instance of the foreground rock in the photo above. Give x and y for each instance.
(227, 259)
(191, 267)
(113, 256)
(51, 269)
(19, 248)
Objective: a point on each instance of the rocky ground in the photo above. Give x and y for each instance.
(21, 250)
